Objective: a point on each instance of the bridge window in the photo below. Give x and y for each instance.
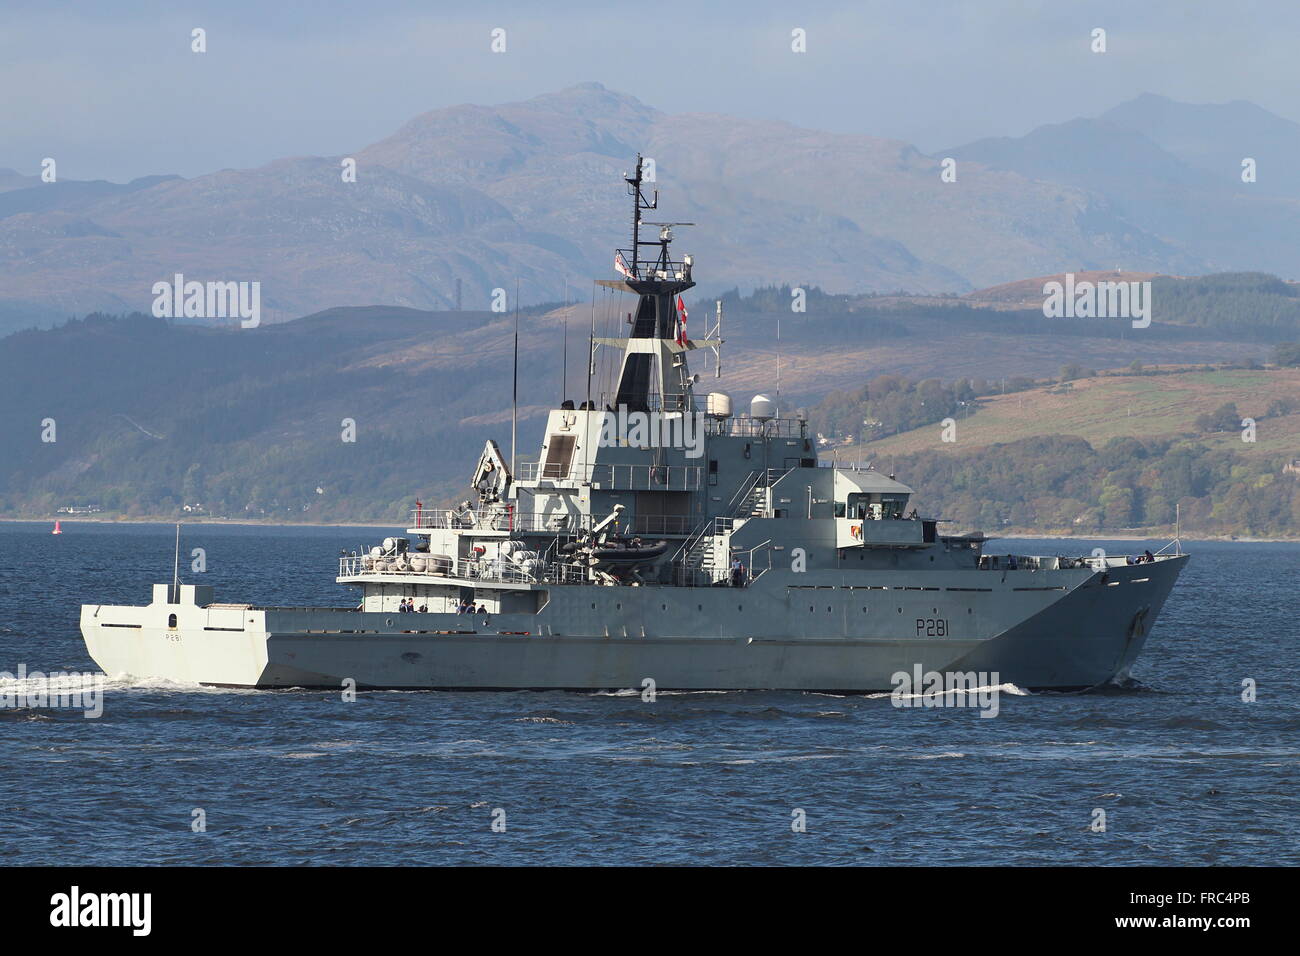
(874, 505)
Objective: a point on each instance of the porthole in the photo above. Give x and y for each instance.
(810, 608)
(740, 607)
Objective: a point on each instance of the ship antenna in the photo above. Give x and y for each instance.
(591, 361)
(639, 202)
(514, 397)
(778, 358)
(717, 354)
(1178, 535)
(564, 365)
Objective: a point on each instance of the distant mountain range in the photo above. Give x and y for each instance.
(481, 195)
(1175, 170)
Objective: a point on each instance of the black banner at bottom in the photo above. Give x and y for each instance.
(337, 904)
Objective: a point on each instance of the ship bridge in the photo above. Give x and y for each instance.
(642, 482)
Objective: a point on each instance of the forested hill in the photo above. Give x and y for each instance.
(148, 417)
(1111, 453)
(1253, 305)
(1249, 301)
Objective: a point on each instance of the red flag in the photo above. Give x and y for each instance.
(681, 321)
(620, 265)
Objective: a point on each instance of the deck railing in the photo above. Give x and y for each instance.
(753, 428)
(505, 520)
(1034, 562)
(740, 425)
(615, 476)
(674, 270)
(472, 569)
(548, 523)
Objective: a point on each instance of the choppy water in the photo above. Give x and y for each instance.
(1186, 772)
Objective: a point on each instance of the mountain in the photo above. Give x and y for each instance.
(483, 195)
(311, 240)
(772, 201)
(12, 179)
(1215, 137)
(62, 194)
(1174, 171)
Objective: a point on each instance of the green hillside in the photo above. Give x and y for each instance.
(1157, 404)
(1113, 453)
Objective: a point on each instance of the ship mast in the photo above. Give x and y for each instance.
(654, 361)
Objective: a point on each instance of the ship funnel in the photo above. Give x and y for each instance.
(762, 408)
(718, 405)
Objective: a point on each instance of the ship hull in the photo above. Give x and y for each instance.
(1041, 634)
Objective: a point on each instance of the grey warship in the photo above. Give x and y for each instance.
(661, 536)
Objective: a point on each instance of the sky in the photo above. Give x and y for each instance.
(113, 91)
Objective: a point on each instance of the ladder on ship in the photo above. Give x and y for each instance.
(699, 557)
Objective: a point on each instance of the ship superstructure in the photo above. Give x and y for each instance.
(662, 535)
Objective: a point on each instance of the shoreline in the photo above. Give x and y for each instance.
(78, 519)
(1224, 538)
(1010, 534)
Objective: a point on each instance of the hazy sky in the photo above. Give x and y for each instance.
(112, 91)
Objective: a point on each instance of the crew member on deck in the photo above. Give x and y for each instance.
(737, 574)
